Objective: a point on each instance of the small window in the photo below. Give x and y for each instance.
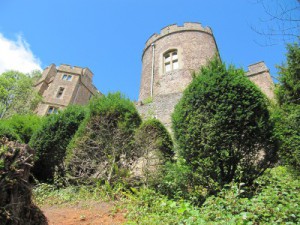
(52, 110)
(60, 92)
(171, 61)
(67, 77)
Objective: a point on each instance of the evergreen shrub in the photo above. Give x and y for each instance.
(51, 140)
(154, 146)
(105, 141)
(222, 127)
(24, 125)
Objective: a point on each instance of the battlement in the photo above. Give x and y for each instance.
(174, 28)
(74, 70)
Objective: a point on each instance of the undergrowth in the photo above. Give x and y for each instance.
(275, 200)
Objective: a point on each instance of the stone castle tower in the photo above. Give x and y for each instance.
(168, 62)
(169, 58)
(62, 86)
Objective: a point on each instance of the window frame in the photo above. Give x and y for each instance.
(67, 77)
(52, 110)
(170, 59)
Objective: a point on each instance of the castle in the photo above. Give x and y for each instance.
(63, 86)
(168, 62)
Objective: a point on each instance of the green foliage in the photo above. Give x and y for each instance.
(148, 207)
(153, 133)
(287, 124)
(289, 76)
(23, 125)
(222, 127)
(104, 142)
(154, 147)
(179, 182)
(8, 132)
(52, 138)
(148, 100)
(276, 201)
(17, 94)
(287, 117)
(49, 194)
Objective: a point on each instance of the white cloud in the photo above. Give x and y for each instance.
(16, 55)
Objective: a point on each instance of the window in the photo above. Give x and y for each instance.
(67, 77)
(60, 92)
(170, 61)
(52, 109)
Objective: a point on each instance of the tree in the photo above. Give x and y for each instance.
(23, 125)
(17, 94)
(8, 132)
(282, 20)
(222, 127)
(288, 92)
(103, 146)
(51, 140)
(287, 116)
(287, 121)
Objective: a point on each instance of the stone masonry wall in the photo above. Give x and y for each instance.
(161, 108)
(78, 90)
(259, 74)
(195, 45)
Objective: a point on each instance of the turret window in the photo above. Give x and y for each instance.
(171, 61)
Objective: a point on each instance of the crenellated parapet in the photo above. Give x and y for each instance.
(174, 28)
(75, 70)
(64, 85)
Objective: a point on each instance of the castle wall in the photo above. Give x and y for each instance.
(161, 108)
(260, 75)
(77, 90)
(195, 45)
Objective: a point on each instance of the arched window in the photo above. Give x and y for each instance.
(170, 60)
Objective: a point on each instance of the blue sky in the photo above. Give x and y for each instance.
(108, 36)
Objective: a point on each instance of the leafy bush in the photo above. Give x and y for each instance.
(153, 131)
(154, 147)
(287, 121)
(222, 127)
(275, 201)
(24, 125)
(287, 117)
(8, 132)
(104, 143)
(288, 92)
(51, 140)
(178, 182)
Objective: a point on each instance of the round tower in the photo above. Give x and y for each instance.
(169, 58)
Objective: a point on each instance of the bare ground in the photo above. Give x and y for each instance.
(84, 213)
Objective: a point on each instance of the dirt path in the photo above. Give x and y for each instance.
(84, 214)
